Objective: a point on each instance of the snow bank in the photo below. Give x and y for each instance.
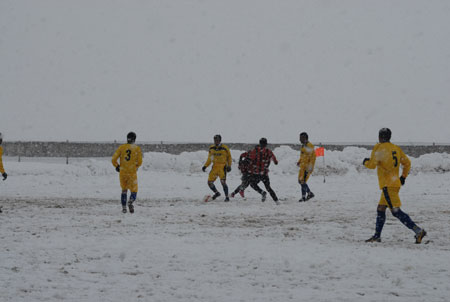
(335, 163)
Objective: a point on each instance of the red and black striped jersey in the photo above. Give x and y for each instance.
(260, 159)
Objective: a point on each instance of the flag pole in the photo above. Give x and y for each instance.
(323, 160)
(323, 164)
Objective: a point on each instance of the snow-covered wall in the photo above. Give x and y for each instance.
(342, 162)
(78, 149)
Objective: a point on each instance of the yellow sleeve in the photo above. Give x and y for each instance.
(208, 161)
(139, 159)
(2, 170)
(406, 164)
(313, 158)
(229, 159)
(116, 156)
(372, 162)
(302, 160)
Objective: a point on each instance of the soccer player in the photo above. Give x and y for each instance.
(306, 163)
(219, 154)
(130, 157)
(387, 158)
(260, 159)
(243, 166)
(2, 170)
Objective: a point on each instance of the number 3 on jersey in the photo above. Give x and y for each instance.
(128, 157)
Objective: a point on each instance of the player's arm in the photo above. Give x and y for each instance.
(274, 158)
(406, 164)
(312, 160)
(371, 163)
(208, 161)
(116, 157)
(300, 160)
(229, 159)
(139, 157)
(2, 170)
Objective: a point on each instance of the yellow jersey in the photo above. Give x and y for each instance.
(307, 157)
(387, 158)
(130, 157)
(219, 155)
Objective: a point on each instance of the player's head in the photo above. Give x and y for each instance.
(384, 135)
(263, 142)
(1, 138)
(131, 137)
(217, 139)
(303, 137)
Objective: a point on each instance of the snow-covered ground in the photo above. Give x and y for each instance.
(63, 236)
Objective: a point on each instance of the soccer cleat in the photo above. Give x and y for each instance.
(263, 196)
(217, 194)
(227, 199)
(302, 199)
(310, 195)
(242, 193)
(232, 195)
(374, 239)
(124, 209)
(131, 207)
(420, 236)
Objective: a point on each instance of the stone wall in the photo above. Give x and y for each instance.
(77, 149)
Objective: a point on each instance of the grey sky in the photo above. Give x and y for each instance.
(186, 70)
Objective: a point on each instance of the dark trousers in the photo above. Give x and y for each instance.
(256, 178)
(245, 182)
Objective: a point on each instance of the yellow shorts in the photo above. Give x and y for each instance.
(217, 171)
(390, 195)
(128, 182)
(303, 176)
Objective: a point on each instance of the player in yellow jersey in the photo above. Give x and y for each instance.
(387, 158)
(130, 159)
(219, 154)
(2, 170)
(306, 163)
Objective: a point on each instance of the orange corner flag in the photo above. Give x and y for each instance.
(320, 151)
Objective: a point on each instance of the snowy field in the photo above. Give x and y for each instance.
(64, 238)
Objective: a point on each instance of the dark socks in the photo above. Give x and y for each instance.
(212, 187)
(133, 197)
(225, 189)
(405, 219)
(123, 199)
(381, 219)
(305, 189)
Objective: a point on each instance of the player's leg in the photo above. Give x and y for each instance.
(245, 184)
(379, 224)
(266, 181)
(133, 195)
(124, 186)
(223, 181)
(225, 188)
(409, 223)
(211, 179)
(302, 174)
(391, 194)
(309, 194)
(254, 180)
